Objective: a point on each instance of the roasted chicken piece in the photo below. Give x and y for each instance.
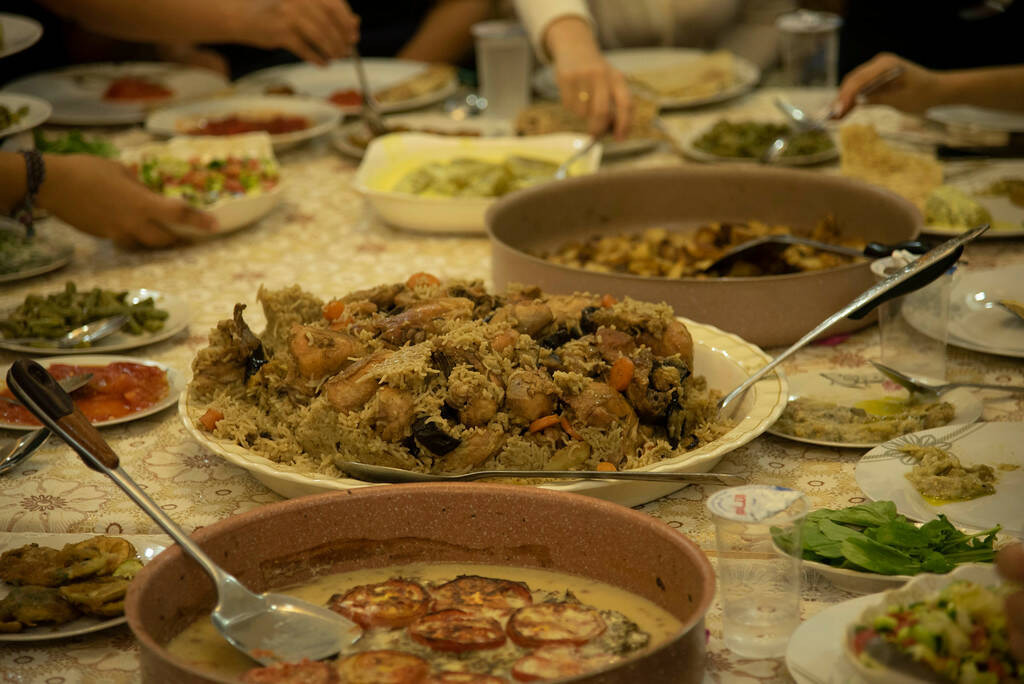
(319, 351)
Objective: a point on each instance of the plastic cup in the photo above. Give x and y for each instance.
(809, 46)
(759, 582)
(912, 329)
(503, 60)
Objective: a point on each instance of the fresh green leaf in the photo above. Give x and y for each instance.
(937, 563)
(900, 534)
(870, 514)
(885, 560)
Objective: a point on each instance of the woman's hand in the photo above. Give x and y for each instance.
(315, 30)
(914, 91)
(1010, 562)
(590, 87)
(103, 198)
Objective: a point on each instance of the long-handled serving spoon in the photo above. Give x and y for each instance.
(267, 627)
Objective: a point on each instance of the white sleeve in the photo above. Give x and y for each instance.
(537, 15)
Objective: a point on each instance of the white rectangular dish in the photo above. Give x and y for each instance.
(391, 157)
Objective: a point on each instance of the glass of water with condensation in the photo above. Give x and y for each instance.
(757, 537)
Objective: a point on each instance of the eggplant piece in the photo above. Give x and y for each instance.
(433, 437)
(256, 357)
(675, 423)
(587, 323)
(556, 339)
(256, 360)
(443, 362)
(680, 365)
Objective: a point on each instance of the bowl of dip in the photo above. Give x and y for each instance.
(638, 586)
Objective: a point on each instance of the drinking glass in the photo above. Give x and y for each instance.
(503, 62)
(759, 578)
(809, 46)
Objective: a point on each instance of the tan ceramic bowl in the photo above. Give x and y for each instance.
(289, 542)
(768, 311)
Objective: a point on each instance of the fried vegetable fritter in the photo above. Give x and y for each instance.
(29, 606)
(102, 597)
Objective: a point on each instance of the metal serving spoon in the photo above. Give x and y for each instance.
(267, 627)
(913, 276)
(930, 392)
(562, 171)
(85, 334)
(744, 250)
(375, 473)
(22, 448)
(369, 112)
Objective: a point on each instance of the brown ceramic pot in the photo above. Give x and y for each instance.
(768, 311)
(289, 542)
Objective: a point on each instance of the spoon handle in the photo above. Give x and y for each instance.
(679, 478)
(982, 385)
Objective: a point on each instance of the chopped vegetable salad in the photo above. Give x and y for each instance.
(202, 184)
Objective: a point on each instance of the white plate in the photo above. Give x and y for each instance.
(147, 546)
(38, 112)
(640, 59)
(178, 120)
(175, 385)
(975, 320)
(59, 254)
(815, 651)
(1007, 217)
(19, 33)
(232, 213)
(723, 358)
(177, 320)
(918, 589)
(881, 474)
(687, 146)
(857, 581)
(977, 117)
(76, 92)
(848, 388)
(321, 82)
(390, 157)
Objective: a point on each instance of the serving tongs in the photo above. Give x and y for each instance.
(768, 247)
(911, 277)
(267, 627)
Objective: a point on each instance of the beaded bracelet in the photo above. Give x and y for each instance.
(35, 174)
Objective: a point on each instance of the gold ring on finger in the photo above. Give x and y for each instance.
(583, 96)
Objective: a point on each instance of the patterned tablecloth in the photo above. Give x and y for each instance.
(323, 237)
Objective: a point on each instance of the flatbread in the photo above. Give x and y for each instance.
(434, 77)
(864, 155)
(551, 117)
(701, 77)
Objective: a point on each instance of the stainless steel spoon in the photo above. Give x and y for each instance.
(375, 473)
(85, 334)
(930, 392)
(562, 171)
(747, 249)
(24, 447)
(267, 627)
(369, 112)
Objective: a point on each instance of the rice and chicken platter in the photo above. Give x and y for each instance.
(435, 376)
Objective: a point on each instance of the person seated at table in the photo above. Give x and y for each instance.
(315, 30)
(423, 30)
(96, 196)
(571, 33)
(917, 88)
(1010, 562)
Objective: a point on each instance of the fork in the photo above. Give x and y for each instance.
(932, 392)
(369, 112)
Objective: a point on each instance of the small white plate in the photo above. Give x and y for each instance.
(56, 255)
(849, 388)
(38, 112)
(881, 474)
(147, 546)
(19, 33)
(179, 120)
(430, 123)
(322, 82)
(641, 59)
(176, 321)
(390, 157)
(857, 581)
(976, 321)
(815, 651)
(977, 117)
(1007, 217)
(688, 147)
(175, 385)
(76, 92)
(232, 213)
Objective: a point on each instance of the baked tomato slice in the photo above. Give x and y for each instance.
(392, 603)
(382, 667)
(306, 672)
(464, 678)
(557, 662)
(457, 631)
(543, 624)
(496, 598)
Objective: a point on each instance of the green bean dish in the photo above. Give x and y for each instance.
(54, 315)
(749, 139)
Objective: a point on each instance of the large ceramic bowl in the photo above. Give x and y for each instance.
(287, 543)
(769, 310)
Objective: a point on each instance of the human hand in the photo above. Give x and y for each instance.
(1010, 562)
(914, 91)
(590, 87)
(315, 30)
(103, 198)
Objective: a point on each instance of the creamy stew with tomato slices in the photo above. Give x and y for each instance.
(456, 624)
